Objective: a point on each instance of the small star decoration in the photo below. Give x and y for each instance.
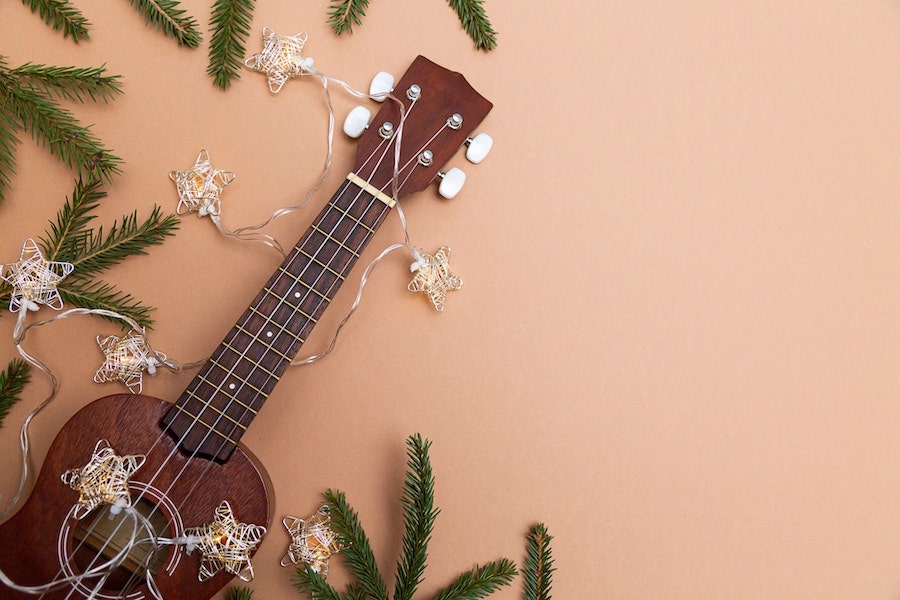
(225, 544)
(312, 541)
(433, 276)
(199, 187)
(280, 58)
(104, 480)
(126, 359)
(34, 279)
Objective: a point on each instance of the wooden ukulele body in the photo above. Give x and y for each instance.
(31, 544)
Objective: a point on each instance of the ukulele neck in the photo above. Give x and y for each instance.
(220, 403)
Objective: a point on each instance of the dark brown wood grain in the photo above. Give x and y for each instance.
(130, 423)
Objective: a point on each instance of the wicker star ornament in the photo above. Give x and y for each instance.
(34, 280)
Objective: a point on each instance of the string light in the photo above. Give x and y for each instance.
(34, 280)
(312, 541)
(434, 277)
(103, 480)
(199, 187)
(127, 358)
(225, 544)
(281, 58)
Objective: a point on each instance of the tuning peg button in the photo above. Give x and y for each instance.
(356, 122)
(451, 182)
(479, 147)
(382, 85)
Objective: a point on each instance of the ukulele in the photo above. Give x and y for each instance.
(193, 458)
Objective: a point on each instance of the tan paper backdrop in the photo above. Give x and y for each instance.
(677, 340)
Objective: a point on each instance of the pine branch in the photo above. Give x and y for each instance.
(91, 252)
(72, 218)
(70, 83)
(61, 15)
(314, 585)
(8, 143)
(344, 14)
(230, 24)
(238, 593)
(171, 19)
(354, 592)
(358, 556)
(538, 569)
(12, 382)
(480, 581)
(57, 129)
(97, 294)
(419, 517)
(475, 22)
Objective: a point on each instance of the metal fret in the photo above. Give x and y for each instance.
(320, 263)
(196, 419)
(233, 397)
(351, 217)
(338, 242)
(207, 405)
(289, 303)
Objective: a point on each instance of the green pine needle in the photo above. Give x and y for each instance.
(538, 569)
(98, 294)
(475, 22)
(230, 25)
(171, 19)
(61, 15)
(354, 592)
(419, 517)
(69, 83)
(8, 143)
(314, 585)
(238, 593)
(57, 129)
(72, 218)
(92, 252)
(480, 581)
(358, 555)
(344, 14)
(12, 381)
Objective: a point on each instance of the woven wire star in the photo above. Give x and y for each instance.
(34, 279)
(226, 544)
(126, 360)
(104, 480)
(199, 187)
(433, 276)
(281, 58)
(312, 541)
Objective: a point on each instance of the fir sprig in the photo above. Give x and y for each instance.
(171, 19)
(419, 515)
(480, 581)
(238, 593)
(475, 22)
(70, 239)
(28, 101)
(230, 24)
(538, 569)
(344, 14)
(61, 15)
(70, 83)
(12, 381)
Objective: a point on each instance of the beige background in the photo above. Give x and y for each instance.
(677, 341)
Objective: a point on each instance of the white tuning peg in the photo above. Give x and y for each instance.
(357, 120)
(382, 85)
(451, 182)
(478, 147)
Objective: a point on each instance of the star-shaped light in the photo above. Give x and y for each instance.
(126, 360)
(104, 480)
(281, 58)
(34, 279)
(433, 276)
(199, 187)
(312, 541)
(225, 544)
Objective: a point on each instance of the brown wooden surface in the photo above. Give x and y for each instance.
(130, 424)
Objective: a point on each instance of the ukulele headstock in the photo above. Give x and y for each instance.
(440, 111)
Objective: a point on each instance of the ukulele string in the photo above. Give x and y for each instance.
(209, 432)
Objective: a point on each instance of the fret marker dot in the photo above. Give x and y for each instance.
(296, 294)
(268, 334)
(231, 386)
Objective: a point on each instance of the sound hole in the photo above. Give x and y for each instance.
(102, 535)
